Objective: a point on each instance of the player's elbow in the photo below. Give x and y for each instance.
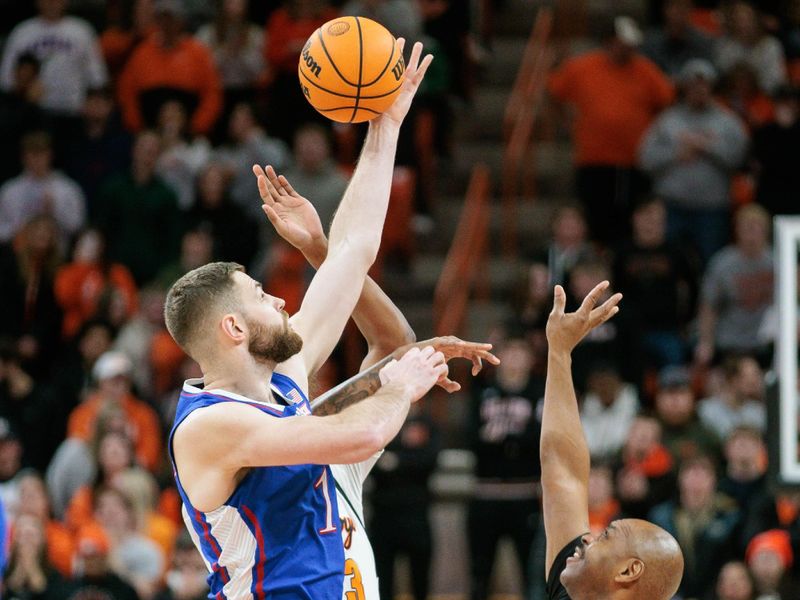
(361, 248)
(361, 444)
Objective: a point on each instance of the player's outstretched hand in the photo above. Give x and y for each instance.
(566, 330)
(452, 347)
(415, 72)
(418, 370)
(293, 216)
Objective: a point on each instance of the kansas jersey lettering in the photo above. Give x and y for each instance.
(360, 575)
(277, 537)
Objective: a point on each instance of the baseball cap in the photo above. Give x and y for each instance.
(774, 540)
(111, 364)
(674, 377)
(698, 68)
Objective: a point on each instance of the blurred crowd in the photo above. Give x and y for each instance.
(129, 131)
(684, 130)
(130, 127)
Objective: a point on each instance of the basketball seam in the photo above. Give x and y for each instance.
(348, 108)
(330, 59)
(324, 89)
(388, 62)
(360, 68)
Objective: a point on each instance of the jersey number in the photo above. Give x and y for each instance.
(323, 483)
(356, 591)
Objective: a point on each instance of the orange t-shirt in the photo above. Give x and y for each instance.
(60, 547)
(142, 421)
(188, 66)
(79, 287)
(285, 36)
(615, 104)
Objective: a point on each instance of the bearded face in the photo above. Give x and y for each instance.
(277, 343)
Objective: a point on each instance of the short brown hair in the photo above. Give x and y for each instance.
(190, 299)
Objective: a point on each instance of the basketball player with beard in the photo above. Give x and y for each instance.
(631, 559)
(388, 336)
(258, 496)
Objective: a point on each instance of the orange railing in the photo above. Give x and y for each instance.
(520, 117)
(465, 257)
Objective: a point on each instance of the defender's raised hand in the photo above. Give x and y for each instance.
(415, 72)
(452, 347)
(566, 330)
(293, 216)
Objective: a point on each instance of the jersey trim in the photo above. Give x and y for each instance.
(350, 504)
(258, 581)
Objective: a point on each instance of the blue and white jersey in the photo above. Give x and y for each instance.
(277, 537)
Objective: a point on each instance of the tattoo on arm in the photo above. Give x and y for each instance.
(350, 392)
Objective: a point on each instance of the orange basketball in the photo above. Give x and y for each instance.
(350, 69)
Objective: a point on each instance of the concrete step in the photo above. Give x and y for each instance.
(516, 18)
(502, 275)
(488, 104)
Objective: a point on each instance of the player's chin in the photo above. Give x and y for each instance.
(572, 570)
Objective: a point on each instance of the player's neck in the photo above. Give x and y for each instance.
(245, 377)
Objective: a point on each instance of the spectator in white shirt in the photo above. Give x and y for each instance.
(69, 53)
(40, 190)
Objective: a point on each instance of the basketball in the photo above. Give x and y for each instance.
(351, 70)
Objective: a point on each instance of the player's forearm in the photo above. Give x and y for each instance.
(359, 219)
(376, 420)
(352, 391)
(563, 445)
(382, 324)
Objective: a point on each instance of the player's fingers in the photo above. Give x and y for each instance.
(258, 171)
(477, 365)
(400, 43)
(420, 72)
(488, 356)
(593, 297)
(413, 61)
(287, 186)
(263, 188)
(426, 351)
(606, 310)
(274, 195)
(273, 179)
(438, 357)
(448, 385)
(272, 216)
(559, 300)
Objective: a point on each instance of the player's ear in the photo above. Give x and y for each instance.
(234, 328)
(630, 571)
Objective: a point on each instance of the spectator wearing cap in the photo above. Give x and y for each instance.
(737, 291)
(69, 54)
(609, 408)
(703, 521)
(775, 150)
(684, 434)
(770, 557)
(170, 65)
(40, 190)
(677, 41)
(659, 280)
(740, 402)
(112, 372)
(691, 152)
(746, 41)
(92, 565)
(617, 93)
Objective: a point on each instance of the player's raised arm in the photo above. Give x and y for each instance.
(564, 454)
(356, 229)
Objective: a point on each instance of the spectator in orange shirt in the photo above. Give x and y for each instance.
(617, 93)
(170, 65)
(93, 287)
(112, 372)
(128, 24)
(288, 28)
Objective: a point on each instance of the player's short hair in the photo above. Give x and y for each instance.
(191, 299)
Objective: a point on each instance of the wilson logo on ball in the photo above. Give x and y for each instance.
(339, 28)
(399, 69)
(312, 64)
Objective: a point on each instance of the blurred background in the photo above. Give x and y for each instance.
(645, 142)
